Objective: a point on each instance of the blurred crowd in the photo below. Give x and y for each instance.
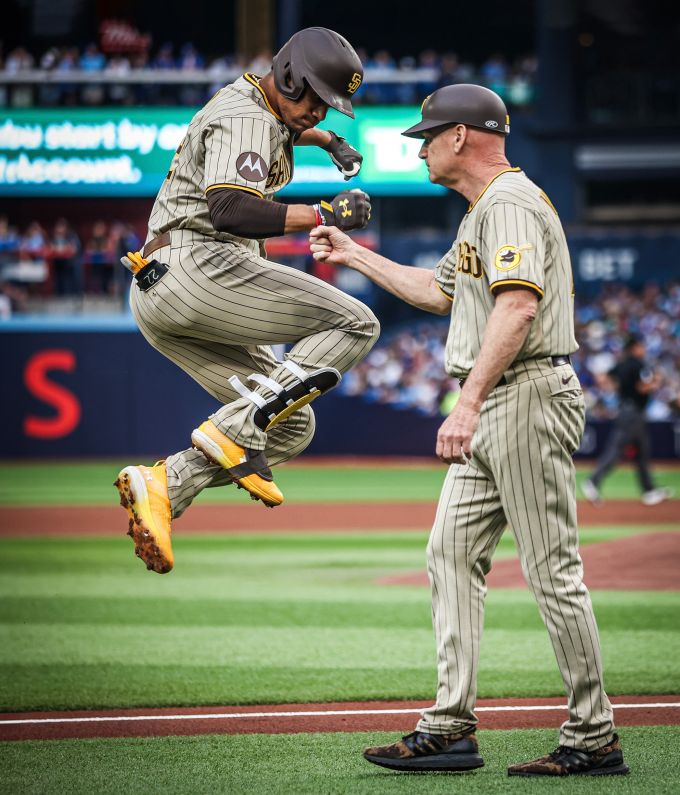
(57, 262)
(512, 79)
(406, 368)
(602, 325)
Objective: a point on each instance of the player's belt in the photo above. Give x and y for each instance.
(556, 361)
(155, 243)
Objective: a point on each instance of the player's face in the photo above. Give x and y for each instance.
(304, 113)
(437, 152)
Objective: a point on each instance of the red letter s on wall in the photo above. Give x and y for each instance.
(65, 402)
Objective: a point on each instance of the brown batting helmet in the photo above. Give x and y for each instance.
(323, 59)
(465, 103)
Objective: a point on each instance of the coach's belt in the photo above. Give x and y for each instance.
(155, 243)
(556, 361)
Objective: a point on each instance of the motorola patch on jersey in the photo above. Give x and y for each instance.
(252, 167)
(508, 256)
(150, 275)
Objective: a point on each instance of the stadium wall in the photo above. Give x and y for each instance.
(107, 393)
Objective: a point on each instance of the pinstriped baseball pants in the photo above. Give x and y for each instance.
(522, 475)
(216, 313)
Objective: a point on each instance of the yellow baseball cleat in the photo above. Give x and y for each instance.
(144, 495)
(248, 468)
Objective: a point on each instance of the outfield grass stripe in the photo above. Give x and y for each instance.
(89, 483)
(279, 619)
(311, 713)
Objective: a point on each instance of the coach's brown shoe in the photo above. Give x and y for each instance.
(144, 494)
(563, 761)
(420, 751)
(248, 468)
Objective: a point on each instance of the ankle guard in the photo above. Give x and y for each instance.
(284, 402)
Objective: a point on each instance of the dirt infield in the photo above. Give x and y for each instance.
(649, 562)
(399, 716)
(306, 517)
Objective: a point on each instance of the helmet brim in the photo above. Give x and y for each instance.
(418, 130)
(331, 97)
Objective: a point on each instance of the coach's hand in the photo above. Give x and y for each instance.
(454, 439)
(346, 158)
(329, 244)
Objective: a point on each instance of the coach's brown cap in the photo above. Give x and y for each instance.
(465, 103)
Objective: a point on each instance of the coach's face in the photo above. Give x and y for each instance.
(439, 153)
(304, 113)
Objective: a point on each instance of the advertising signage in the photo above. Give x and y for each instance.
(127, 152)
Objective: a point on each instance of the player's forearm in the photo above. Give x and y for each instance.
(313, 137)
(415, 286)
(300, 218)
(505, 334)
(239, 213)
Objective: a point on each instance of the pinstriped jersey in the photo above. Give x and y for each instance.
(511, 235)
(235, 141)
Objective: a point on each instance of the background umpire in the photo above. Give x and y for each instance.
(634, 383)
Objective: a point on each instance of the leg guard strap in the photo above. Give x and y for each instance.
(286, 401)
(243, 391)
(308, 387)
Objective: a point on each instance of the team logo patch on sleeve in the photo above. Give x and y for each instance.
(252, 167)
(508, 256)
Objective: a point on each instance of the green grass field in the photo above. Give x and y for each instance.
(66, 483)
(255, 619)
(262, 618)
(313, 764)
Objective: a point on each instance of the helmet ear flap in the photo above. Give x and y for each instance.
(285, 78)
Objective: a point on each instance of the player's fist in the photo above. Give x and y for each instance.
(350, 209)
(346, 158)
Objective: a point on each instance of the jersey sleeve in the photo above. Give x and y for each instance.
(237, 154)
(445, 273)
(513, 248)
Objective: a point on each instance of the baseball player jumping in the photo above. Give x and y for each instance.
(205, 296)
(507, 284)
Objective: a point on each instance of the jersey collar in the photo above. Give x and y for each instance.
(255, 81)
(489, 183)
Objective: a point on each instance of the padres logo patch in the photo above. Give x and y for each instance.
(508, 256)
(251, 167)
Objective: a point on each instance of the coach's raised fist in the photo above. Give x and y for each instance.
(351, 209)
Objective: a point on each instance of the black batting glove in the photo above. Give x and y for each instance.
(350, 209)
(346, 158)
